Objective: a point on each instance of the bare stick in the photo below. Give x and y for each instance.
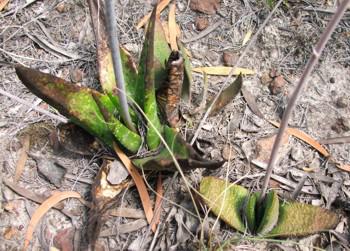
(38, 109)
(250, 44)
(111, 25)
(299, 88)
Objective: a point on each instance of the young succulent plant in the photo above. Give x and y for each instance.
(154, 86)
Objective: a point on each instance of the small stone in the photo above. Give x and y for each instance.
(265, 79)
(228, 153)
(315, 164)
(345, 123)
(229, 58)
(201, 23)
(215, 154)
(297, 154)
(342, 102)
(332, 80)
(132, 48)
(62, 7)
(76, 75)
(181, 6)
(117, 173)
(205, 6)
(276, 86)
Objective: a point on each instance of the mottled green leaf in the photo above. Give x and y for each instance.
(298, 219)
(183, 152)
(152, 70)
(127, 138)
(104, 58)
(270, 211)
(226, 205)
(250, 212)
(74, 102)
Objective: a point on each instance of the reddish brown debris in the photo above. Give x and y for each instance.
(205, 6)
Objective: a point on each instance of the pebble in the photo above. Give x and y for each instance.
(315, 164)
(332, 80)
(342, 102)
(76, 75)
(297, 154)
(265, 79)
(201, 23)
(229, 58)
(228, 153)
(215, 154)
(276, 86)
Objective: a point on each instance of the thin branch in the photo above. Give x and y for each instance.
(38, 109)
(299, 88)
(250, 44)
(111, 25)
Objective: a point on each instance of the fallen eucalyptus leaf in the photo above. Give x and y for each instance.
(223, 70)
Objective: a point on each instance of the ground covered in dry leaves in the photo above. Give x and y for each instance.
(56, 37)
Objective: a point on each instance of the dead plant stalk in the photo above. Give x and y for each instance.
(300, 87)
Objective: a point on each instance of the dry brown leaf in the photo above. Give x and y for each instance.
(23, 156)
(161, 6)
(344, 167)
(140, 184)
(3, 4)
(158, 204)
(306, 138)
(172, 28)
(41, 211)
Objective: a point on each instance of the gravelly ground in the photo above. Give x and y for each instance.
(284, 46)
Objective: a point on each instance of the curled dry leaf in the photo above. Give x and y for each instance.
(172, 28)
(161, 6)
(23, 156)
(41, 211)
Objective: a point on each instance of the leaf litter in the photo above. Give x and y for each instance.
(264, 112)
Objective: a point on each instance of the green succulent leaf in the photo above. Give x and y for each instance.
(250, 211)
(227, 205)
(104, 58)
(269, 213)
(127, 138)
(298, 219)
(187, 157)
(74, 102)
(152, 70)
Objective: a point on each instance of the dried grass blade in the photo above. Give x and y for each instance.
(158, 204)
(41, 211)
(223, 70)
(337, 140)
(172, 28)
(23, 156)
(306, 138)
(160, 8)
(140, 184)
